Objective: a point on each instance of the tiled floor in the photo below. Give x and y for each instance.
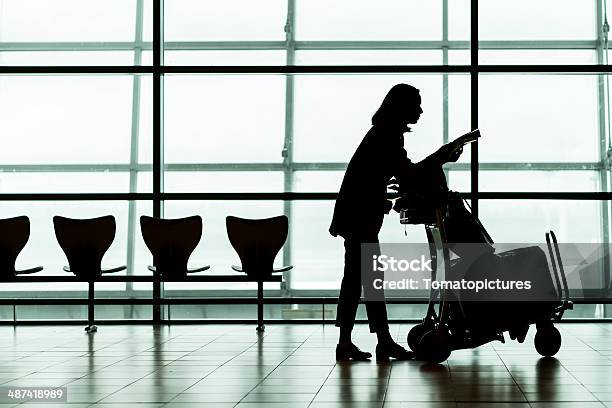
(293, 366)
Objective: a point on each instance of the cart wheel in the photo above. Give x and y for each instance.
(415, 334)
(435, 346)
(547, 341)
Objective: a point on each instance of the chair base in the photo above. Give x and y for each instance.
(260, 328)
(91, 328)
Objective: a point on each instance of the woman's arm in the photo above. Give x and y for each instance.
(425, 175)
(448, 153)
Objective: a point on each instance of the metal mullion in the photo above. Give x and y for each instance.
(492, 195)
(288, 141)
(299, 45)
(225, 45)
(67, 168)
(307, 69)
(552, 195)
(158, 73)
(75, 196)
(300, 166)
(495, 166)
(276, 196)
(445, 43)
(545, 69)
(603, 114)
(388, 69)
(134, 143)
(445, 118)
(474, 103)
(69, 46)
(313, 69)
(377, 45)
(229, 167)
(537, 45)
(76, 69)
(158, 150)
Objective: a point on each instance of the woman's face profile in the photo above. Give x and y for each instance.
(414, 110)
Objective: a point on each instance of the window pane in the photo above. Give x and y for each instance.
(459, 57)
(369, 20)
(459, 20)
(242, 57)
(67, 20)
(459, 180)
(67, 58)
(317, 180)
(546, 57)
(67, 119)
(538, 118)
(145, 123)
(57, 182)
(529, 180)
(459, 111)
(147, 21)
(529, 220)
(229, 20)
(367, 57)
(318, 257)
(100, 181)
(223, 181)
(332, 113)
(224, 118)
(537, 20)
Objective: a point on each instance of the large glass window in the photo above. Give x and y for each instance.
(273, 96)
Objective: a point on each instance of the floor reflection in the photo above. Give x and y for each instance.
(294, 366)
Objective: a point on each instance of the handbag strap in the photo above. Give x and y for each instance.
(484, 230)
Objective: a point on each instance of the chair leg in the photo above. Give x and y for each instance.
(260, 305)
(157, 300)
(91, 327)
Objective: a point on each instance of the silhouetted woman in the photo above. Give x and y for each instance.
(362, 204)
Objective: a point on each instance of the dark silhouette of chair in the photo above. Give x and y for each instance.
(171, 242)
(85, 241)
(14, 234)
(257, 242)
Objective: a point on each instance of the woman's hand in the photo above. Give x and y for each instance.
(393, 189)
(454, 156)
(450, 152)
(393, 184)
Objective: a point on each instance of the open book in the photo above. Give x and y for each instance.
(467, 138)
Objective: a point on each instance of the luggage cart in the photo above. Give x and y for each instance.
(447, 329)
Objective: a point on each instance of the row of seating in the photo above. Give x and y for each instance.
(170, 241)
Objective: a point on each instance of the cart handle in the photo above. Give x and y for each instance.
(561, 270)
(553, 260)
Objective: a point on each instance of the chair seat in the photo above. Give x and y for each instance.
(189, 270)
(29, 271)
(116, 269)
(103, 271)
(275, 270)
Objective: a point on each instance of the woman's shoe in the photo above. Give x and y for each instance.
(392, 350)
(350, 352)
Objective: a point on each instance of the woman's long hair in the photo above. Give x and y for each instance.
(394, 106)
